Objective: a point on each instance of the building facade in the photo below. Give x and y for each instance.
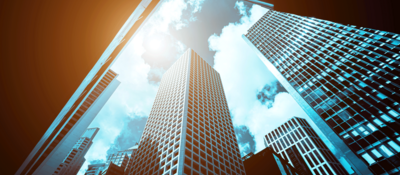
(53, 148)
(95, 169)
(189, 129)
(346, 79)
(267, 161)
(113, 169)
(371, 14)
(122, 158)
(298, 143)
(76, 157)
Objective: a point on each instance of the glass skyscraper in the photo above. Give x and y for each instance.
(61, 137)
(346, 78)
(122, 158)
(76, 157)
(298, 143)
(189, 129)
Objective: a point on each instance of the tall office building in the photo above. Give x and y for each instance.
(297, 143)
(189, 129)
(122, 158)
(95, 169)
(76, 157)
(380, 15)
(54, 146)
(345, 78)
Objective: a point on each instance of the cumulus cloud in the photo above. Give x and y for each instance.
(267, 94)
(245, 140)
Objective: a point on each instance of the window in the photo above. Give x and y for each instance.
(394, 145)
(368, 158)
(355, 133)
(379, 122)
(386, 151)
(372, 127)
(376, 153)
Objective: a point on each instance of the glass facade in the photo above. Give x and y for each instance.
(121, 158)
(55, 145)
(76, 157)
(344, 76)
(298, 143)
(189, 129)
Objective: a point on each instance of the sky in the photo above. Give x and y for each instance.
(257, 102)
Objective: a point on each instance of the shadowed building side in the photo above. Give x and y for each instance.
(267, 162)
(51, 49)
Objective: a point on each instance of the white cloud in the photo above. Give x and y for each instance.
(244, 147)
(171, 13)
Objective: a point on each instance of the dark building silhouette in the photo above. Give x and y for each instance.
(48, 48)
(189, 130)
(113, 169)
(346, 79)
(381, 14)
(267, 162)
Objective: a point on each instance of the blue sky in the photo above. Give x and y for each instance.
(257, 102)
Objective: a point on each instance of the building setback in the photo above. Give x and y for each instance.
(189, 129)
(267, 162)
(346, 79)
(297, 143)
(95, 169)
(122, 158)
(54, 146)
(113, 169)
(76, 157)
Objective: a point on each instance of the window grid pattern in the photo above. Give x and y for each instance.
(198, 141)
(348, 75)
(158, 150)
(66, 124)
(120, 159)
(211, 146)
(298, 133)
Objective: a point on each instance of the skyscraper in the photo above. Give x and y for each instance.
(189, 129)
(63, 134)
(297, 143)
(121, 158)
(380, 15)
(95, 169)
(76, 157)
(345, 78)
